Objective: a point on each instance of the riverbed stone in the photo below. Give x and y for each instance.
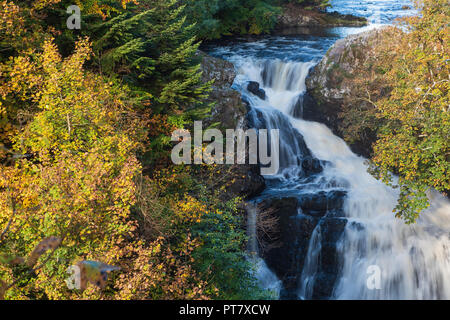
(254, 88)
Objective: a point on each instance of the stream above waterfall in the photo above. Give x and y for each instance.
(338, 226)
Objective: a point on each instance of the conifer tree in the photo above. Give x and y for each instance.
(153, 48)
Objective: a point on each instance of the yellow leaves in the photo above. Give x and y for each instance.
(167, 274)
(80, 177)
(41, 4)
(50, 57)
(22, 78)
(191, 209)
(10, 21)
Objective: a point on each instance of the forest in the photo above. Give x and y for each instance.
(86, 118)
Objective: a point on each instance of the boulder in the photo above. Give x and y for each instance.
(254, 88)
(333, 79)
(318, 204)
(311, 166)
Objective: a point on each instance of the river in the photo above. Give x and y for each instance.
(356, 248)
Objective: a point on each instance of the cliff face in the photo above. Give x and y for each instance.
(295, 16)
(334, 80)
(228, 111)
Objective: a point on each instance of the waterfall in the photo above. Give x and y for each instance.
(413, 260)
(266, 278)
(252, 213)
(310, 267)
(348, 235)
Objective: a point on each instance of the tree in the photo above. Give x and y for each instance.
(152, 47)
(216, 18)
(414, 141)
(73, 165)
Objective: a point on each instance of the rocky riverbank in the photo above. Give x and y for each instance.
(295, 16)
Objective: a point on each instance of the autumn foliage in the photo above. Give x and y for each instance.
(84, 177)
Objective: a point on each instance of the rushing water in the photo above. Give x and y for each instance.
(414, 260)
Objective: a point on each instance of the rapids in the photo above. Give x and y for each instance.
(414, 260)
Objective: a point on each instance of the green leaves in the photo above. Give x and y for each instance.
(415, 139)
(215, 18)
(153, 47)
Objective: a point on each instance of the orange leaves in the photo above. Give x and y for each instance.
(414, 143)
(79, 176)
(161, 272)
(158, 125)
(21, 77)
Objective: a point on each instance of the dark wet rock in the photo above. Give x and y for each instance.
(329, 264)
(357, 226)
(294, 233)
(336, 213)
(254, 88)
(248, 181)
(297, 111)
(298, 218)
(332, 229)
(323, 286)
(329, 259)
(291, 140)
(311, 166)
(288, 295)
(322, 201)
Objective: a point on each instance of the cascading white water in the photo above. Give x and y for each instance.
(252, 213)
(282, 81)
(267, 279)
(414, 259)
(310, 267)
